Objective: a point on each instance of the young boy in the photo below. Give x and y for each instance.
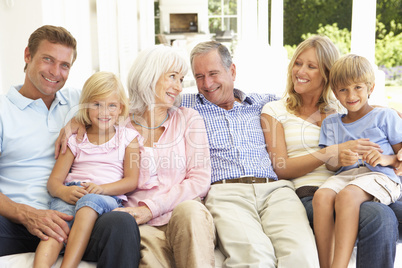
(358, 178)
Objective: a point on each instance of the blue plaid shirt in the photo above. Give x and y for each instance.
(235, 136)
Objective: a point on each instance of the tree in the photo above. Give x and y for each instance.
(306, 16)
(340, 37)
(389, 12)
(388, 45)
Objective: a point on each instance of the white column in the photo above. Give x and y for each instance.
(128, 36)
(146, 24)
(277, 23)
(107, 35)
(363, 28)
(279, 58)
(263, 23)
(363, 43)
(249, 23)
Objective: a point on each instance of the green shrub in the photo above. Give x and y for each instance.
(340, 37)
(387, 47)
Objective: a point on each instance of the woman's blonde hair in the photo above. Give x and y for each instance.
(327, 54)
(145, 72)
(351, 69)
(101, 85)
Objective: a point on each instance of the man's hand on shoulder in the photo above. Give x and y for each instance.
(72, 127)
(45, 223)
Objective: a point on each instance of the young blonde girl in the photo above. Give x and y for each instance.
(91, 178)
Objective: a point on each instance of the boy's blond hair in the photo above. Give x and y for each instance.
(101, 85)
(351, 69)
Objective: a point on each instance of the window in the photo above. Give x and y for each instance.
(157, 21)
(223, 15)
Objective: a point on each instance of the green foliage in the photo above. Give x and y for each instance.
(214, 7)
(340, 37)
(387, 48)
(290, 50)
(388, 45)
(389, 12)
(306, 16)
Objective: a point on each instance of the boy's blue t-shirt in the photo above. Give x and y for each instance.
(381, 125)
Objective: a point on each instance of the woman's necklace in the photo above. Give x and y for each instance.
(167, 115)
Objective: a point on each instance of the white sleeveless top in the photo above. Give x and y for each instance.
(301, 138)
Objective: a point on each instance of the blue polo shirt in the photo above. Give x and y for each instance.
(28, 131)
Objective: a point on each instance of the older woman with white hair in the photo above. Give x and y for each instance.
(175, 173)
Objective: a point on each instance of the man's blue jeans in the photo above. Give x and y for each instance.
(397, 208)
(378, 232)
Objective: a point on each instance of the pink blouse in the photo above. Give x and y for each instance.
(103, 163)
(182, 163)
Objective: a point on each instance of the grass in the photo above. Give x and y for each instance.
(394, 97)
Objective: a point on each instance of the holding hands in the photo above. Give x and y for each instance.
(374, 158)
(360, 146)
(92, 188)
(369, 152)
(348, 153)
(348, 157)
(71, 194)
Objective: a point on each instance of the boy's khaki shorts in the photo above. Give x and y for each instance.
(382, 188)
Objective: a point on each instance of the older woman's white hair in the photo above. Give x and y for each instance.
(145, 72)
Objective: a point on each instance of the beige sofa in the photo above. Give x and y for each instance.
(25, 260)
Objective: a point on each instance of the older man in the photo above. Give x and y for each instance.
(260, 221)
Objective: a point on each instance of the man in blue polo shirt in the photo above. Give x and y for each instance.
(31, 116)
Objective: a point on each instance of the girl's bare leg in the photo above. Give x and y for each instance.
(47, 253)
(323, 206)
(347, 208)
(79, 236)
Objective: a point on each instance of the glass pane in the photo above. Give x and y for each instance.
(156, 9)
(230, 7)
(214, 7)
(157, 26)
(231, 24)
(214, 25)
